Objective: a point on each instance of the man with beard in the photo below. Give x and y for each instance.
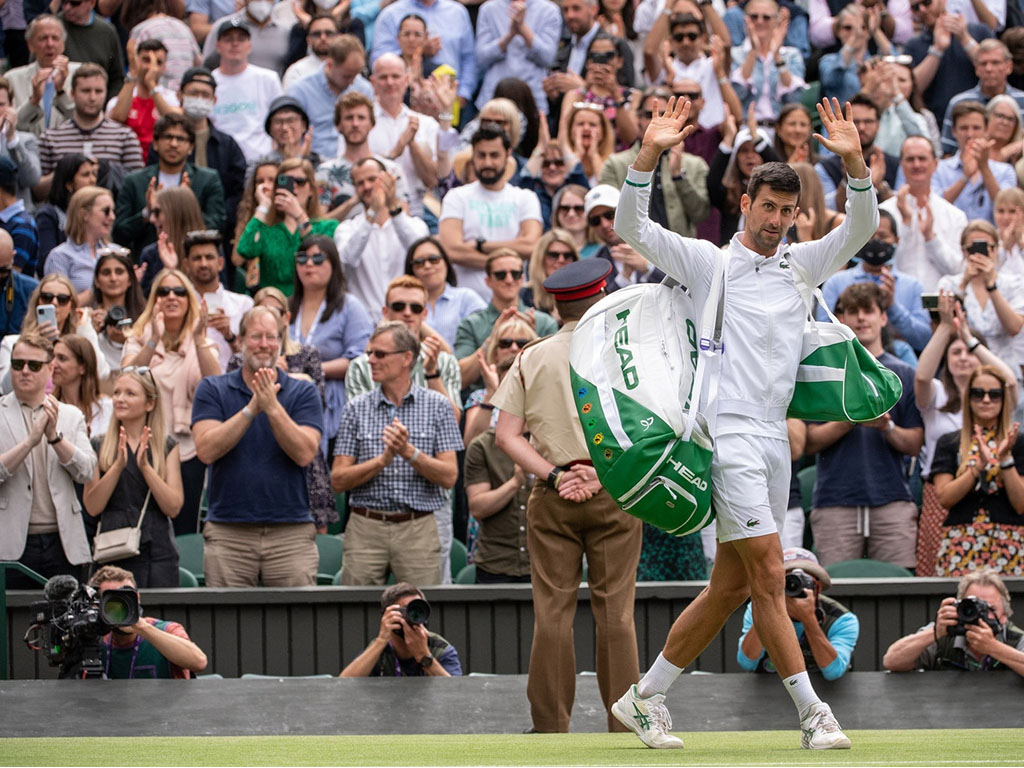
(761, 346)
(203, 262)
(257, 428)
(88, 131)
(884, 168)
(479, 218)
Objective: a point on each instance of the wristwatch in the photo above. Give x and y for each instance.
(57, 439)
(392, 212)
(991, 288)
(427, 662)
(480, 244)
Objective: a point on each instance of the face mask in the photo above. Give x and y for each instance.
(260, 9)
(325, 5)
(196, 107)
(876, 252)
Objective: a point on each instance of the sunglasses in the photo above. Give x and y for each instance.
(691, 36)
(49, 298)
(299, 181)
(154, 212)
(977, 393)
(74, 3)
(175, 137)
(141, 370)
(323, 33)
(566, 208)
(920, 4)
(506, 343)
(595, 220)
(399, 306)
(106, 210)
(555, 163)
(166, 290)
(691, 95)
(302, 257)
(760, 16)
(560, 256)
(501, 274)
(433, 258)
(33, 365)
(380, 354)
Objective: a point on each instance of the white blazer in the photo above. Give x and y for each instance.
(16, 488)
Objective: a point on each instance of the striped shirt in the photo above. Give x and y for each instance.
(109, 141)
(23, 233)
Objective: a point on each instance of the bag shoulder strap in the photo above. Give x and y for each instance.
(710, 345)
(811, 294)
(145, 506)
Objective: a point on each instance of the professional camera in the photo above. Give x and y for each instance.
(117, 315)
(416, 612)
(797, 581)
(68, 625)
(973, 610)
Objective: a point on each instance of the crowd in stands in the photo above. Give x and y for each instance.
(264, 265)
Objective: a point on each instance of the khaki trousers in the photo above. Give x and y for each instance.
(412, 550)
(240, 554)
(559, 532)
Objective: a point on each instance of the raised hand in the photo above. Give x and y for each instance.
(488, 372)
(431, 347)
(199, 326)
(142, 451)
(927, 222)
(1004, 451)
(902, 205)
(165, 250)
(983, 449)
(945, 308)
(121, 457)
(35, 433)
(265, 388)
(51, 409)
(157, 327)
(843, 139)
(668, 128)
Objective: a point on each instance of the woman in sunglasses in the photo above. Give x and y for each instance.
(90, 219)
(447, 304)
(553, 251)
(71, 174)
(76, 381)
(58, 292)
(550, 169)
(840, 71)
(504, 343)
(568, 212)
(325, 316)
(169, 338)
(601, 86)
(287, 212)
(139, 473)
(977, 480)
(175, 212)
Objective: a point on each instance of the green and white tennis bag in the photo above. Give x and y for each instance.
(838, 379)
(639, 361)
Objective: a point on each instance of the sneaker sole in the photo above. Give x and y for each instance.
(841, 744)
(624, 718)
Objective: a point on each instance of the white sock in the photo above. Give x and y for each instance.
(799, 688)
(659, 677)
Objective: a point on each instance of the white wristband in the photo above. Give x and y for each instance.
(247, 412)
(415, 455)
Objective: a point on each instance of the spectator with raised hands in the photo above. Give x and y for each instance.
(90, 219)
(1003, 128)
(587, 133)
(793, 139)
(767, 73)
(840, 71)
(174, 212)
(1009, 216)
(601, 86)
(169, 338)
(890, 84)
(142, 99)
(45, 37)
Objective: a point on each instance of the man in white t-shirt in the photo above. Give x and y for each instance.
(488, 214)
(244, 91)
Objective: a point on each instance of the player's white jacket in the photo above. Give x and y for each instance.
(765, 314)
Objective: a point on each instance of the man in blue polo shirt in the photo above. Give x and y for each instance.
(258, 428)
(15, 288)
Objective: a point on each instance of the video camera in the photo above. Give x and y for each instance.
(68, 625)
(973, 610)
(797, 581)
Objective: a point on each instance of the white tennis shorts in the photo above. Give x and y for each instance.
(750, 477)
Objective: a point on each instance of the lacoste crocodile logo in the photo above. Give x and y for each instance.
(783, 265)
(752, 522)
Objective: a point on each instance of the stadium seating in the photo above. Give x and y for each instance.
(330, 550)
(865, 568)
(186, 578)
(190, 555)
(467, 575)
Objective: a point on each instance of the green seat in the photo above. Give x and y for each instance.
(865, 568)
(330, 550)
(457, 557)
(336, 581)
(333, 529)
(190, 555)
(467, 575)
(186, 578)
(806, 477)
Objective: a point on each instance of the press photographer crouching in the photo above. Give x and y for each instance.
(404, 647)
(827, 630)
(971, 632)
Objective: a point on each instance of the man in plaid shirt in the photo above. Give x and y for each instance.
(395, 455)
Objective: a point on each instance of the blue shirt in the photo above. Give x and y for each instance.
(14, 294)
(317, 98)
(974, 94)
(451, 308)
(256, 481)
(448, 19)
(22, 228)
(906, 314)
(973, 199)
(862, 469)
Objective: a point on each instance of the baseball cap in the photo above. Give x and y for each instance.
(805, 560)
(602, 195)
(198, 75)
(233, 23)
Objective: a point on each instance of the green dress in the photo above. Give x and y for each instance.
(276, 247)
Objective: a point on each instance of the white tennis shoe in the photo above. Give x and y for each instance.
(820, 729)
(647, 718)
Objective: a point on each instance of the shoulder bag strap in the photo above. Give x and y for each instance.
(145, 506)
(709, 343)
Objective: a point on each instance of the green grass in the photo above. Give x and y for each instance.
(773, 748)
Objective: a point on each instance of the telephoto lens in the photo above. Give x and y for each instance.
(417, 611)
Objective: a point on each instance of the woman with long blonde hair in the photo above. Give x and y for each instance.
(587, 133)
(554, 250)
(170, 338)
(175, 212)
(139, 473)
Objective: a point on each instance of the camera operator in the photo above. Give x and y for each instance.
(152, 648)
(404, 647)
(971, 632)
(827, 630)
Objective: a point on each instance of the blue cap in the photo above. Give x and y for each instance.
(579, 279)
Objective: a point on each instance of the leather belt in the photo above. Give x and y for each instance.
(393, 517)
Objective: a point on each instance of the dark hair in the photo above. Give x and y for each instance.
(409, 254)
(884, 214)
(137, 11)
(954, 401)
(371, 159)
(519, 93)
(415, 17)
(64, 174)
(396, 592)
(778, 177)
(627, 18)
(134, 300)
(685, 20)
(173, 120)
(489, 132)
(200, 237)
(321, 16)
(860, 296)
(152, 44)
(337, 286)
(966, 108)
(866, 101)
(786, 111)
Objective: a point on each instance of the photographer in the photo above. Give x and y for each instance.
(827, 631)
(152, 648)
(404, 647)
(971, 632)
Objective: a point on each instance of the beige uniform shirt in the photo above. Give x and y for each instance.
(537, 390)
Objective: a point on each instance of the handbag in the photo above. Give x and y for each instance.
(120, 543)
(838, 379)
(640, 360)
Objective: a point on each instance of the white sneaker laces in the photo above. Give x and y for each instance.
(659, 714)
(825, 721)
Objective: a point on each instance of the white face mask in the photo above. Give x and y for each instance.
(325, 5)
(196, 106)
(260, 9)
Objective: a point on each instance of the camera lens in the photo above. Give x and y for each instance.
(417, 611)
(115, 315)
(119, 607)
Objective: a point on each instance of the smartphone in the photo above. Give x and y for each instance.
(284, 181)
(213, 302)
(46, 313)
(930, 300)
(979, 246)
